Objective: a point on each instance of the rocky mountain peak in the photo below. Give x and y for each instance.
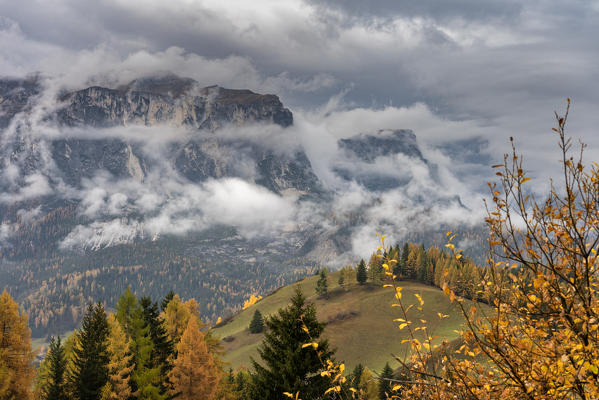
(170, 100)
(384, 142)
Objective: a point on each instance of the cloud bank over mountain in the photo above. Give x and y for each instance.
(464, 76)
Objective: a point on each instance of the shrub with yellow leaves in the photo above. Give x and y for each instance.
(540, 339)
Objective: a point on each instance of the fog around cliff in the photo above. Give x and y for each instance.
(459, 74)
(121, 210)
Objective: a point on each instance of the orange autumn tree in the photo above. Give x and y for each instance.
(120, 365)
(16, 356)
(540, 338)
(195, 375)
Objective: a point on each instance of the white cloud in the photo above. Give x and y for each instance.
(34, 186)
(454, 71)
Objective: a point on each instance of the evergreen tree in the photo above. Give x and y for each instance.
(375, 268)
(43, 378)
(257, 324)
(55, 386)
(16, 356)
(405, 253)
(243, 381)
(398, 268)
(90, 356)
(361, 275)
(195, 375)
(120, 365)
(356, 375)
(163, 349)
(145, 378)
(385, 383)
(322, 285)
(167, 299)
(287, 365)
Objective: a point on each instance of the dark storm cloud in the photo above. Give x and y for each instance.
(447, 69)
(467, 9)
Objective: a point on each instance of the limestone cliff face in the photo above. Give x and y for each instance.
(14, 97)
(147, 104)
(368, 147)
(162, 101)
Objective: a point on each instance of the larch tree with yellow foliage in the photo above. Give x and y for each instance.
(16, 356)
(369, 388)
(120, 365)
(195, 375)
(176, 317)
(540, 339)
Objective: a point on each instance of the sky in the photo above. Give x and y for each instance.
(503, 66)
(451, 70)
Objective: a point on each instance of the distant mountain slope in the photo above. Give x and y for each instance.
(360, 321)
(163, 184)
(142, 185)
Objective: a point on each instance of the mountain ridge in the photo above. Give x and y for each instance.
(99, 185)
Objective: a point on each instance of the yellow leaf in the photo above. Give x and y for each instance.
(398, 293)
(537, 282)
(402, 326)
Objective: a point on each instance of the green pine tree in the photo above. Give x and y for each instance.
(243, 381)
(163, 350)
(356, 375)
(361, 275)
(286, 365)
(322, 285)
(145, 379)
(90, 356)
(385, 382)
(405, 253)
(257, 323)
(167, 299)
(57, 364)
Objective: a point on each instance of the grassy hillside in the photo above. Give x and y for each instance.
(360, 321)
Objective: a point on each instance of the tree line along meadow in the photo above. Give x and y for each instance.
(536, 337)
(146, 350)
